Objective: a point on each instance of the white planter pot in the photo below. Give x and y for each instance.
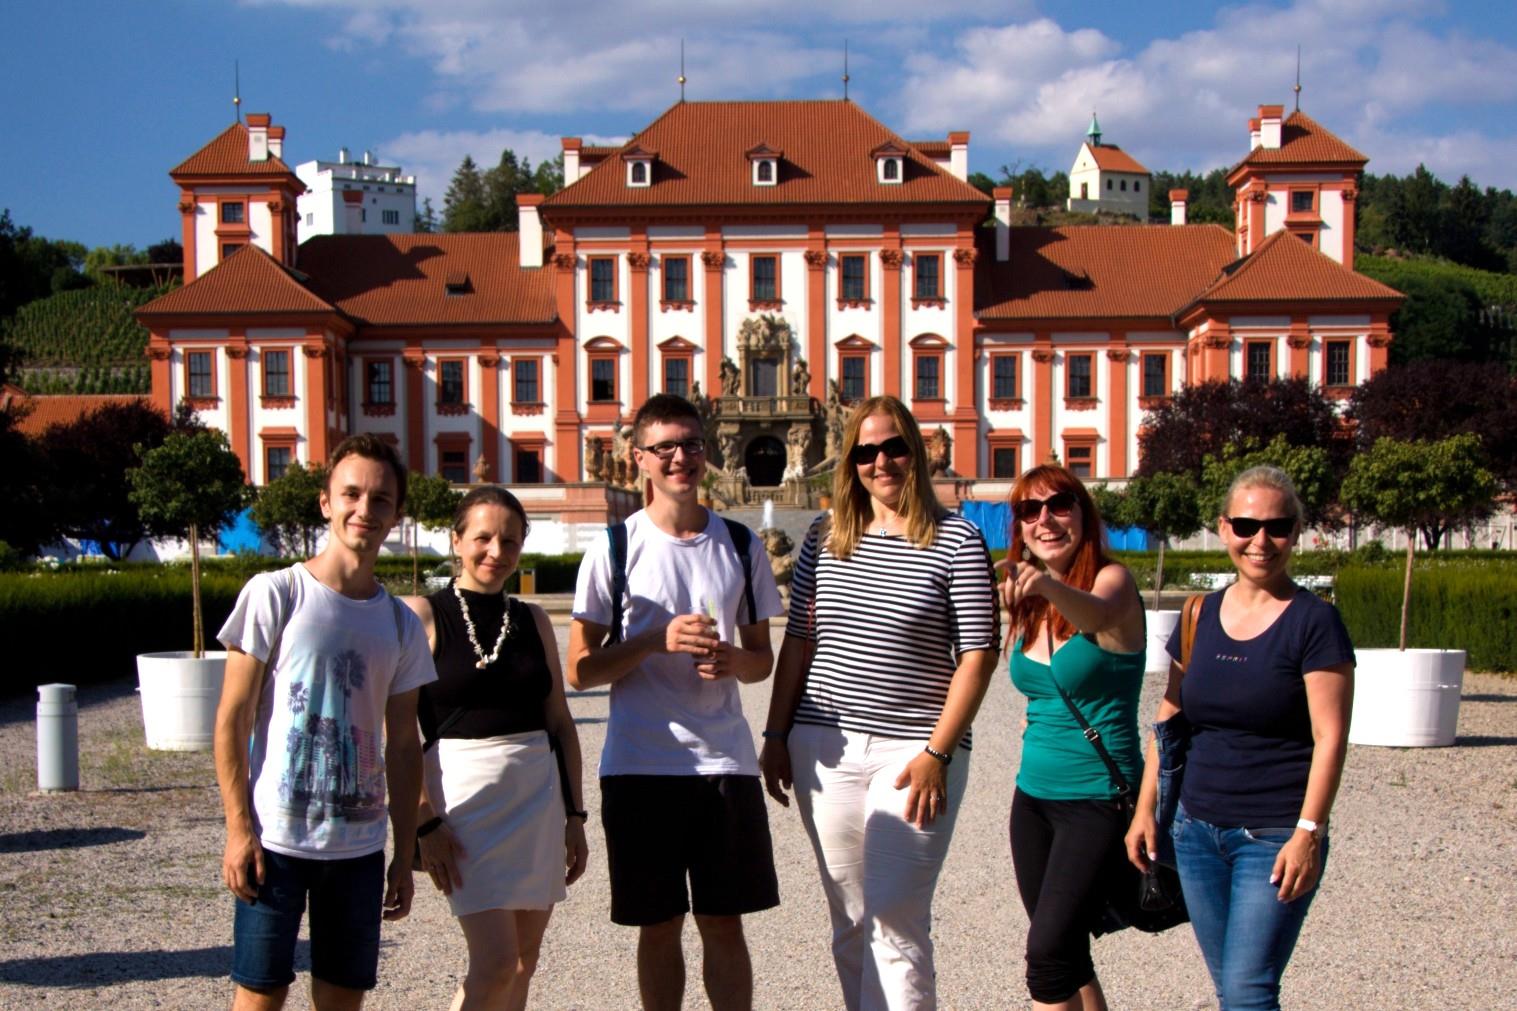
(179, 698)
(1161, 625)
(1407, 698)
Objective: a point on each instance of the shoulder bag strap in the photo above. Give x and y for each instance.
(742, 540)
(1124, 790)
(617, 533)
(1190, 616)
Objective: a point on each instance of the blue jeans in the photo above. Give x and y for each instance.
(1245, 932)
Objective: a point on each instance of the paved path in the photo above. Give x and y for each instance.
(111, 896)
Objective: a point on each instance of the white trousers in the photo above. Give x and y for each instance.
(879, 871)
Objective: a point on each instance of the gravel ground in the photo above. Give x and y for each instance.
(111, 896)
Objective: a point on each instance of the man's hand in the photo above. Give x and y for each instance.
(719, 665)
(692, 633)
(242, 865)
(400, 888)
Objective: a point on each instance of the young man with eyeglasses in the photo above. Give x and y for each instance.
(680, 793)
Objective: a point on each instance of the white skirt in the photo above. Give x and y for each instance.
(500, 796)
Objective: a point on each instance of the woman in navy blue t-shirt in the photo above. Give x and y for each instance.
(1267, 695)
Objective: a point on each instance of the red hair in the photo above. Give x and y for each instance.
(1090, 556)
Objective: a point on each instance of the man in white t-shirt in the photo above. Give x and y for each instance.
(317, 719)
(680, 793)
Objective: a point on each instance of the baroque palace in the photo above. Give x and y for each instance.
(773, 261)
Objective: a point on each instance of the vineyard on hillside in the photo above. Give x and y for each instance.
(84, 341)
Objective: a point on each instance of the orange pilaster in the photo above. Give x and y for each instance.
(637, 304)
(890, 309)
(966, 423)
(1350, 201)
(238, 397)
(316, 402)
(160, 353)
(1216, 344)
(1299, 340)
(1116, 411)
(416, 412)
(565, 362)
(1380, 345)
(489, 412)
(1256, 218)
(714, 259)
(187, 232)
(1042, 394)
(816, 312)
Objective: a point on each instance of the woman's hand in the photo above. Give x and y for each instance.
(440, 853)
(928, 797)
(577, 851)
(1025, 581)
(774, 762)
(1297, 866)
(1142, 839)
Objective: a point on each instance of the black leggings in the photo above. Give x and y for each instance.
(1064, 852)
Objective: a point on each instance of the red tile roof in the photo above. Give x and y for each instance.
(1097, 272)
(1303, 139)
(1285, 269)
(827, 147)
(1110, 158)
(228, 155)
(42, 412)
(248, 281)
(399, 280)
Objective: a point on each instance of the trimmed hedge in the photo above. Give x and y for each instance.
(1455, 604)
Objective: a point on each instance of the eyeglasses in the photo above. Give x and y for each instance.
(665, 450)
(894, 447)
(1278, 527)
(1059, 504)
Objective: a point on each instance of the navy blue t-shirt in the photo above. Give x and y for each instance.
(1251, 745)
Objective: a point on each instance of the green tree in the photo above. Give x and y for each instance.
(1165, 505)
(1201, 420)
(431, 502)
(1437, 399)
(1310, 468)
(426, 221)
(119, 255)
(190, 483)
(1420, 486)
(465, 207)
(288, 508)
(32, 267)
(26, 522)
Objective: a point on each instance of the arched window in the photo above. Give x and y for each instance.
(639, 173)
(892, 169)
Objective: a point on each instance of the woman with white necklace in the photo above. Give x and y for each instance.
(501, 829)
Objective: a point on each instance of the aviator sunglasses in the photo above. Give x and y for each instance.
(1059, 504)
(894, 447)
(1278, 527)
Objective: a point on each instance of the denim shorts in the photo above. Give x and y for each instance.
(346, 898)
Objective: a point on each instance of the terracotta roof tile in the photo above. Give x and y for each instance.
(827, 147)
(42, 412)
(1303, 139)
(1285, 269)
(247, 281)
(400, 280)
(1111, 158)
(938, 150)
(1094, 272)
(228, 155)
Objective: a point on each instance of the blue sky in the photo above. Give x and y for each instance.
(104, 97)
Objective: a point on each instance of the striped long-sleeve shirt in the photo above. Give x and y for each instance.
(890, 624)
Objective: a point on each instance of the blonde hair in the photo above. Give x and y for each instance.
(1265, 476)
(919, 505)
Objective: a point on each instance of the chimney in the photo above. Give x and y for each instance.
(571, 159)
(258, 136)
(342, 156)
(352, 212)
(1253, 134)
(958, 158)
(1002, 196)
(530, 229)
(368, 157)
(1177, 199)
(1269, 126)
(276, 142)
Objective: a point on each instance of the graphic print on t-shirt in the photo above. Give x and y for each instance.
(333, 767)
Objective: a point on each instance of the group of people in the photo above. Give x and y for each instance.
(454, 704)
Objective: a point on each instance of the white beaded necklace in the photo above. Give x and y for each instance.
(505, 628)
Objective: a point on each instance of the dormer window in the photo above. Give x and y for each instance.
(890, 163)
(766, 164)
(639, 166)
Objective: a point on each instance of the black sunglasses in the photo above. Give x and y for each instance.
(1059, 504)
(894, 447)
(1278, 527)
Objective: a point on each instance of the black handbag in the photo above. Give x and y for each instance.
(1150, 900)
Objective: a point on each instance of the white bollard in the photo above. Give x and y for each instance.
(57, 738)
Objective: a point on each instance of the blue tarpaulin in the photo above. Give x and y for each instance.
(242, 535)
(994, 521)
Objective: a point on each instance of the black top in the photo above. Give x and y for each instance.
(509, 696)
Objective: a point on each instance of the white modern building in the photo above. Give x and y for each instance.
(347, 197)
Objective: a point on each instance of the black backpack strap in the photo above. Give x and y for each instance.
(617, 533)
(742, 540)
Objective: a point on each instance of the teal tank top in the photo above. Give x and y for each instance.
(1058, 763)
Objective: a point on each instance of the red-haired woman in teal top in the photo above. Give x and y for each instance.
(1078, 624)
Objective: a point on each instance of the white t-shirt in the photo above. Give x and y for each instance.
(665, 719)
(316, 769)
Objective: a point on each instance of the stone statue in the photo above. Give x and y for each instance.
(940, 453)
(707, 411)
(781, 562)
(800, 382)
(595, 459)
(728, 442)
(621, 469)
(481, 470)
(730, 378)
(798, 441)
(835, 413)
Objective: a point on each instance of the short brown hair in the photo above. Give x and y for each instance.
(371, 447)
(662, 408)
